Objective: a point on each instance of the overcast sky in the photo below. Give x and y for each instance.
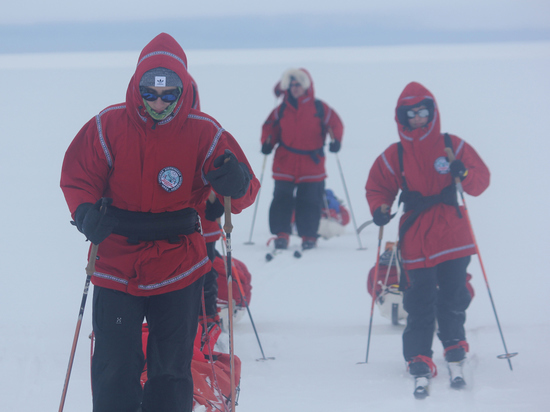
(452, 14)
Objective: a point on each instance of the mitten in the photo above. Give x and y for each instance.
(231, 177)
(380, 218)
(213, 210)
(334, 146)
(458, 169)
(96, 224)
(267, 148)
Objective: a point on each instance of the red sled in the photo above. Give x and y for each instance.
(334, 216)
(211, 379)
(242, 288)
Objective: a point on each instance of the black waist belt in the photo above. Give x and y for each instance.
(147, 226)
(314, 154)
(417, 203)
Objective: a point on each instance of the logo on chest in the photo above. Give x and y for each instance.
(441, 165)
(170, 178)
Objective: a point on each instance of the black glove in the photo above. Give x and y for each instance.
(334, 146)
(267, 148)
(91, 221)
(213, 210)
(379, 218)
(231, 178)
(458, 169)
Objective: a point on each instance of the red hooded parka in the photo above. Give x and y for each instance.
(438, 234)
(299, 128)
(123, 154)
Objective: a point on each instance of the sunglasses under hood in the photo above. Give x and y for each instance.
(163, 51)
(415, 95)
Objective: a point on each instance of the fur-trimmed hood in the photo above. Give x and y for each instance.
(301, 75)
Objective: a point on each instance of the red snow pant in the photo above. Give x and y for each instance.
(118, 359)
(440, 293)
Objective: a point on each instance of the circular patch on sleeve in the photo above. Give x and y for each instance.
(441, 165)
(170, 178)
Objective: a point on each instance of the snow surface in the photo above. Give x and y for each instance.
(312, 314)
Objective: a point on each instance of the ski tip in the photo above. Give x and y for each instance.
(458, 383)
(421, 385)
(269, 257)
(265, 359)
(421, 394)
(297, 254)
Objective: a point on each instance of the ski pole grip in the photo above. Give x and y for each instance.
(228, 226)
(90, 268)
(450, 154)
(452, 157)
(331, 134)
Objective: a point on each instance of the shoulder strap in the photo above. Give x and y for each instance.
(194, 96)
(320, 113)
(319, 108)
(400, 155)
(448, 141)
(282, 108)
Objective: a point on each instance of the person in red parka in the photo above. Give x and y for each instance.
(298, 127)
(434, 236)
(153, 161)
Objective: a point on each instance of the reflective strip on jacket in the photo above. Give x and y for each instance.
(150, 167)
(438, 234)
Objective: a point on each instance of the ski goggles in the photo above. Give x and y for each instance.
(422, 113)
(169, 96)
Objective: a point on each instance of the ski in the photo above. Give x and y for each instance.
(271, 255)
(421, 387)
(456, 374)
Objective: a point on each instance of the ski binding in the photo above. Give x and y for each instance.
(456, 373)
(421, 387)
(271, 255)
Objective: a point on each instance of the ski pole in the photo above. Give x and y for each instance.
(250, 242)
(241, 291)
(90, 268)
(211, 359)
(331, 133)
(364, 225)
(228, 228)
(380, 235)
(507, 355)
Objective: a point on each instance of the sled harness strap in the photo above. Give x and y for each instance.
(427, 360)
(316, 153)
(147, 226)
(417, 203)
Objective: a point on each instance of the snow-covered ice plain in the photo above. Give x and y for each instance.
(312, 314)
